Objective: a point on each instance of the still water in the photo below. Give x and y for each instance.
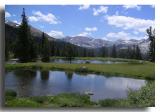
(41, 83)
(78, 61)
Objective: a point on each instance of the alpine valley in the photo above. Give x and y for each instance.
(79, 42)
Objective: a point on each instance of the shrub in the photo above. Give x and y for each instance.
(39, 99)
(82, 69)
(10, 93)
(145, 97)
(87, 62)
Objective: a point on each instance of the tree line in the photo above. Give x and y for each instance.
(27, 48)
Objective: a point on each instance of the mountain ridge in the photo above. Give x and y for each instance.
(90, 42)
(97, 43)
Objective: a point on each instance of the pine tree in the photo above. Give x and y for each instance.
(151, 35)
(133, 52)
(6, 50)
(24, 49)
(114, 52)
(33, 48)
(69, 53)
(103, 51)
(138, 53)
(128, 52)
(45, 54)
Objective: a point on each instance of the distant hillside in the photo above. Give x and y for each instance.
(90, 42)
(81, 46)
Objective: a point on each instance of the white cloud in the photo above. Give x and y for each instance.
(39, 16)
(127, 23)
(7, 14)
(33, 18)
(15, 21)
(113, 36)
(152, 6)
(100, 10)
(84, 7)
(136, 32)
(56, 34)
(132, 7)
(88, 31)
(91, 29)
(85, 34)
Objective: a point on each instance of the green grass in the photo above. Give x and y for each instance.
(71, 100)
(145, 97)
(61, 100)
(21, 102)
(101, 59)
(136, 70)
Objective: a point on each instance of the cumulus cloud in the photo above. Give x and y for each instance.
(100, 10)
(56, 34)
(117, 35)
(88, 31)
(39, 16)
(131, 23)
(7, 14)
(91, 29)
(84, 7)
(132, 7)
(15, 21)
(33, 18)
(85, 34)
(113, 36)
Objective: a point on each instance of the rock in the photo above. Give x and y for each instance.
(89, 93)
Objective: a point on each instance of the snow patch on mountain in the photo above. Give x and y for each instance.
(90, 42)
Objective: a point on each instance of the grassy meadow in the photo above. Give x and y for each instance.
(136, 70)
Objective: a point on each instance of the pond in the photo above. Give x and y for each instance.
(42, 83)
(79, 61)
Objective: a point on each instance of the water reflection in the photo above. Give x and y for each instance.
(78, 61)
(41, 83)
(24, 81)
(69, 75)
(44, 75)
(25, 73)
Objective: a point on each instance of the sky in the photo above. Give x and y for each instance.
(108, 22)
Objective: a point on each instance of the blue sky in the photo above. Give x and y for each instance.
(109, 22)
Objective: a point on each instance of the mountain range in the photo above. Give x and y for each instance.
(88, 42)
(97, 43)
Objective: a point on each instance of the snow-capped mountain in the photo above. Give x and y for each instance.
(13, 24)
(87, 41)
(96, 43)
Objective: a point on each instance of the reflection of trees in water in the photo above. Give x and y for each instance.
(25, 73)
(44, 75)
(25, 79)
(69, 59)
(69, 75)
